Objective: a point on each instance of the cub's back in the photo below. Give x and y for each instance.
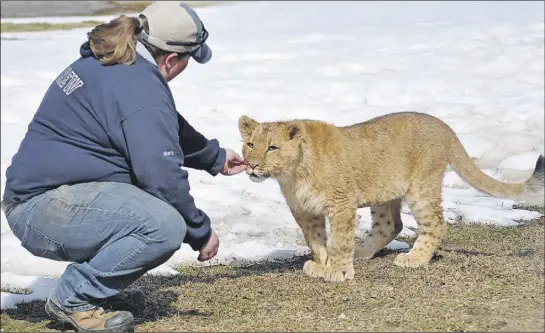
(404, 130)
(394, 147)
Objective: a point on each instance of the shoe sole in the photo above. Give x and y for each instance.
(63, 318)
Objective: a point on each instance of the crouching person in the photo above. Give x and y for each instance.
(97, 180)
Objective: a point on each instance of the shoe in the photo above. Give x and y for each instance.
(94, 320)
(126, 300)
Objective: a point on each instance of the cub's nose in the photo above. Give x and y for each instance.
(253, 165)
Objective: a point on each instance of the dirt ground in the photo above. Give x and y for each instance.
(484, 278)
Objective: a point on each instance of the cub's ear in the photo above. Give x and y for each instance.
(246, 126)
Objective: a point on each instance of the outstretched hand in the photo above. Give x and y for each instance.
(234, 164)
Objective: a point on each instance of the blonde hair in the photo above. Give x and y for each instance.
(115, 42)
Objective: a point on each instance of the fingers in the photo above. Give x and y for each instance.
(204, 256)
(238, 158)
(237, 169)
(210, 250)
(233, 156)
(233, 168)
(234, 163)
(214, 253)
(215, 249)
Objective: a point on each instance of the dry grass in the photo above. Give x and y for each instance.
(484, 278)
(119, 7)
(19, 291)
(122, 7)
(41, 26)
(116, 7)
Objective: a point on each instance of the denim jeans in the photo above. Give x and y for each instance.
(112, 233)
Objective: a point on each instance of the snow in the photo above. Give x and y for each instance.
(476, 65)
(522, 161)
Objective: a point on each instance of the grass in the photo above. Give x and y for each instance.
(19, 291)
(42, 26)
(484, 278)
(116, 7)
(120, 7)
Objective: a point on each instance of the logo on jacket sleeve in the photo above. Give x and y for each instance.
(69, 81)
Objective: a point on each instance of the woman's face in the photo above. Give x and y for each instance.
(170, 66)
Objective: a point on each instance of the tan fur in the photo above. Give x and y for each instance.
(327, 172)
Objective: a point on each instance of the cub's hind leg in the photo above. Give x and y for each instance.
(425, 203)
(314, 231)
(386, 226)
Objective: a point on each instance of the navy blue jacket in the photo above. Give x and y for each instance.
(118, 124)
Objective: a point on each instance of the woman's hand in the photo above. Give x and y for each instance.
(210, 250)
(234, 164)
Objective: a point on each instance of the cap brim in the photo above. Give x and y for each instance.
(203, 54)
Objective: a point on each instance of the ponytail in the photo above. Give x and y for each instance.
(115, 42)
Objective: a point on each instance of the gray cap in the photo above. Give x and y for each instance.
(175, 27)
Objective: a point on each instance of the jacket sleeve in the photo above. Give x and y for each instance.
(199, 152)
(155, 157)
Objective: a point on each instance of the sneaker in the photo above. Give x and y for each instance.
(126, 300)
(95, 320)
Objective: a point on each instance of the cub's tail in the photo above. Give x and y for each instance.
(531, 191)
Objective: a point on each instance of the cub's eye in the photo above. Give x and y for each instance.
(251, 145)
(272, 148)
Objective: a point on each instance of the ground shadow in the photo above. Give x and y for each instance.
(158, 305)
(386, 253)
(162, 291)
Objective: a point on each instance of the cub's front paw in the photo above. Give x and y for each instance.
(410, 260)
(339, 273)
(313, 269)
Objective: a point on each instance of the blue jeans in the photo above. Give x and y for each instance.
(112, 233)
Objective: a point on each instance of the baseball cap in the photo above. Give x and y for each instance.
(175, 27)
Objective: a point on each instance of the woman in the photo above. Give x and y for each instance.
(97, 180)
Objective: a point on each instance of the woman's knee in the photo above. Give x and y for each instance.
(168, 232)
(156, 221)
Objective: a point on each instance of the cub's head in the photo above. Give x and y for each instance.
(271, 149)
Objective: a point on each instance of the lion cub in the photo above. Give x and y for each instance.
(325, 171)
